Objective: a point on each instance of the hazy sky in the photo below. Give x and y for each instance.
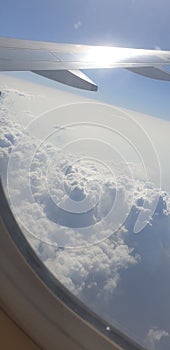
(131, 23)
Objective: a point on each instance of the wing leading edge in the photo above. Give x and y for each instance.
(63, 62)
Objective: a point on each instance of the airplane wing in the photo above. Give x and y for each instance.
(63, 62)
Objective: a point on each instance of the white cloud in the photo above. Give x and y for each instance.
(9, 132)
(77, 25)
(154, 336)
(93, 273)
(96, 267)
(73, 266)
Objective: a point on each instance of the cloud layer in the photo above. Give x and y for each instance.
(68, 216)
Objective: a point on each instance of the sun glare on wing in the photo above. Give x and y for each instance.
(107, 56)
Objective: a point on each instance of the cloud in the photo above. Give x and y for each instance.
(154, 336)
(67, 215)
(77, 25)
(95, 269)
(46, 212)
(9, 132)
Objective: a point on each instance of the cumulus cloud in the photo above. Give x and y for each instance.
(9, 132)
(51, 216)
(95, 269)
(65, 215)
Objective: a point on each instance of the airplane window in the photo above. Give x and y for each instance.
(86, 173)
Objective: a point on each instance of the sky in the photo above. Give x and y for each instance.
(121, 273)
(126, 23)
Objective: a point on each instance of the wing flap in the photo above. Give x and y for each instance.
(151, 72)
(74, 78)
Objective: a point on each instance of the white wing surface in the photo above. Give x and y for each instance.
(63, 62)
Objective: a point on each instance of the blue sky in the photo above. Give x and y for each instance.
(131, 23)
